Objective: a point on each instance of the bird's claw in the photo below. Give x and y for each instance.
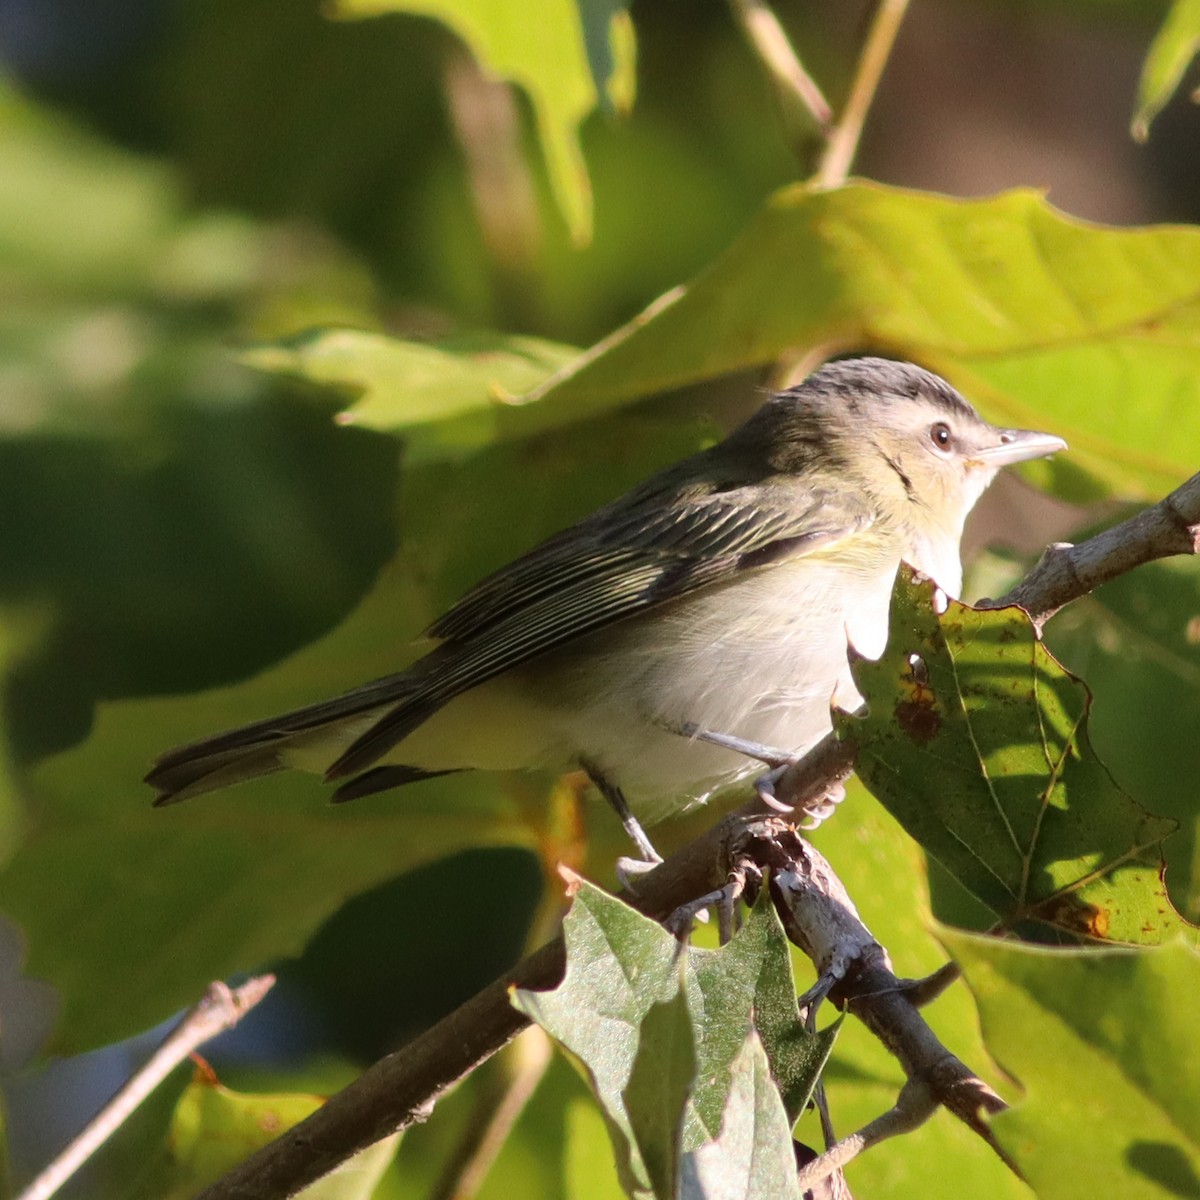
(815, 811)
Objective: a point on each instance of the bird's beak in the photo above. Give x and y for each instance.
(1018, 445)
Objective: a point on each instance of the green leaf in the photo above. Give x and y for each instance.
(214, 1129)
(18, 633)
(753, 973)
(564, 54)
(1173, 48)
(620, 965)
(1043, 320)
(450, 396)
(752, 1155)
(1104, 1044)
(622, 971)
(1137, 642)
(660, 1082)
(245, 877)
(236, 880)
(976, 740)
(588, 1172)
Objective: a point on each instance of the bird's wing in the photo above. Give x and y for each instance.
(631, 557)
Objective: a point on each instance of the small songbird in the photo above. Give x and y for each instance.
(708, 610)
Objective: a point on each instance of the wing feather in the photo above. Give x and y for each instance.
(624, 560)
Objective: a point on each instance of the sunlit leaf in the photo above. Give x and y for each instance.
(976, 740)
(448, 396)
(624, 981)
(565, 55)
(660, 1082)
(214, 1129)
(1104, 1045)
(755, 965)
(752, 1155)
(1043, 320)
(1137, 643)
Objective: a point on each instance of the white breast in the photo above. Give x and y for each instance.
(762, 659)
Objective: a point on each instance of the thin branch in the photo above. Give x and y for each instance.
(856, 973)
(403, 1087)
(842, 143)
(1065, 572)
(912, 1109)
(795, 86)
(492, 1122)
(219, 1009)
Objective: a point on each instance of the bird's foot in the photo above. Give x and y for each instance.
(819, 809)
(723, 899)
(630, 870)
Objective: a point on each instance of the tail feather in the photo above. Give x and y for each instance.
(186, 778)
(382, 779)
(273, 744)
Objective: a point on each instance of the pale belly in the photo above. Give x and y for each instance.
(762, 660)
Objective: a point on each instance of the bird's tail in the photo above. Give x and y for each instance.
(307, 738)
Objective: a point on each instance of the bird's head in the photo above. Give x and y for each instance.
(902, 434)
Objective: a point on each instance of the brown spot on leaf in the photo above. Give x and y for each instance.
(1069, 912)
(919, 718)
(918, 715)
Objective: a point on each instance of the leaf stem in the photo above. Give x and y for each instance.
(794, 85)
(842, 142)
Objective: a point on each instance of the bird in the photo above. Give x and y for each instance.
(660, 643)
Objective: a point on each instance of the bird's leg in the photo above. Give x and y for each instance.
(771, 756)
(724, 899)
(778, 761)
(650, 858)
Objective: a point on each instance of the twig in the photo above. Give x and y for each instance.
(1066, 572)
(220, 1008)
(493, 1120)
(842, 143)
(402, 1088)
(794, 85)
(912, 1109)
(855, 972)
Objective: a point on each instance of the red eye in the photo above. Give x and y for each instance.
(939, 434)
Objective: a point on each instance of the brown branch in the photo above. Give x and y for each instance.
(403, 1087)
(1065, 572)
(854, 970)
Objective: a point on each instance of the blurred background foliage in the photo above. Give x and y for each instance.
(182, 180)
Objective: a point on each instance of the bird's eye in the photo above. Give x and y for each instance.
(939, 434)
